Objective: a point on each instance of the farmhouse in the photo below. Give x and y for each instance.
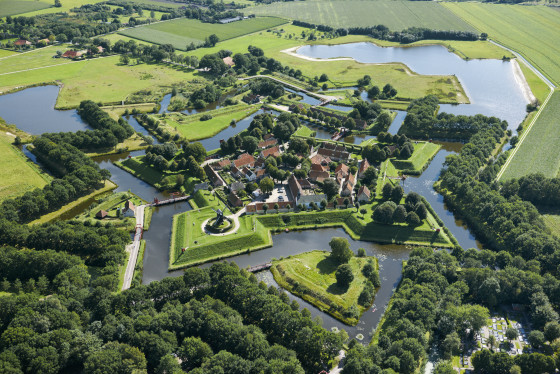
(215, 179)
(21, 42)
(244, 160)
(234, 199)
(101, 214)
(73, 54)
(228, 61)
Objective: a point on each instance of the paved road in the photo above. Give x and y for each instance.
(134, 247)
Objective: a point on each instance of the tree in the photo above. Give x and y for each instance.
(488, 291)
(397, 194)
(387, 191)
(383, 213)
(266, 185)
(124, 59)
(412, 219)
(536, 338)
(213, 40)
(344, 275)
(361, 252)
(492, 342)
(265, 207)
(250, 144)
(421, 210)
(323, 78)
(193, 352)
(370, 175)
(451, 345)
(552, 331)
(276, 207)
(511, 333)
(330, 187)
(340, 250)
(399, 215)
(444, 367)
(384, 120)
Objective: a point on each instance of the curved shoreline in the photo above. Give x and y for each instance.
(522, 81)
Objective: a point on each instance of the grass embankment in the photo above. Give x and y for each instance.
(13, 7)
(71, 209)
(117, 111)
(423, 153)
(18, 174)
(538, 153)
(311, 276)
(254, 232)
(134, 143)
(103, 80)
(192, 128)
(344, 73)
(396, 15)
(532, 31)
(182, 32)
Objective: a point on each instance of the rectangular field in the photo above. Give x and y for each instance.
(396, 15)
(17, 174)
(13, 7)
(182, 32)
(533, 31)
(539, 151)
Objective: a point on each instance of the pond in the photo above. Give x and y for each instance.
(490, 84)
(32, 110)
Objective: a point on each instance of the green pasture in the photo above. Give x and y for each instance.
(103, 80)
(13, 7)
(17, 174)
(66, 6)
(37, 58)
(396, 15)
(192, 128)
(423, 153)
(533, 31)
(315, 273)
(181, 32)
(539, 151)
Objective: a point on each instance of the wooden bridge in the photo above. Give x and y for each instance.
(257, 268)
(158, 202)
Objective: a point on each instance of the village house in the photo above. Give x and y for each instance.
(318, 176)
(244, 160)
(129, 209)
(319, 167)
(260, 174)
(251, 99)
(73, 54)
(320, 160)
(215, 179)
(342, 169)
(334, 152)
(364, 165)
(259, 164)
(221, 164)
(348, 187)
(274, 152)
(301, 195)
(22, 42)
(249, 174)
(228, 61)
(267, 143)
(101, 214)
(234, 200)
(235, 172)
(364, 195)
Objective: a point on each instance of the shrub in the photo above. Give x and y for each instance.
(205, 117)
(344, 275)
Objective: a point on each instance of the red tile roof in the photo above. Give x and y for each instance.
(365, 192)
(244, 160)
(267, 143)
(274, 152)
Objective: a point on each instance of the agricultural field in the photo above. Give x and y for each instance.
(103, 80)
(193, 128)
(315, 273)
(181, 32)
(18, 175)
(13, 7)
(539, 151)
(396, 15)
(533, 31)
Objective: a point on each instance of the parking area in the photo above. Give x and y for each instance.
(279, 193)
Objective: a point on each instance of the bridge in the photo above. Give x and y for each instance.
(257, 268)
(158, 202)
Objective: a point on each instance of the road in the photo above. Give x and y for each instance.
(134, 248)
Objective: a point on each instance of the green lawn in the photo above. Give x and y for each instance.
(192, 128)
(17, 173)
(13, 7)
(533, 31)
(539, 151)
(147, 173)
(423, 153)
(181, 32)
(102, 80)
(110, 204)
(397, 15)
(304, 131)
(36, 58)
(314, 272)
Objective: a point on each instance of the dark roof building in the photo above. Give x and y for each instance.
(214, 178)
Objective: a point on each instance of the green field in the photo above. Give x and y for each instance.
(181, 32)
(192, 128)
(533, 31)
(314, 272)
(18, 174)
(538, 153)
(13, 7)
(396, 15)
(103, 80)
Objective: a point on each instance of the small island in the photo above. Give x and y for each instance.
(336, 282)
